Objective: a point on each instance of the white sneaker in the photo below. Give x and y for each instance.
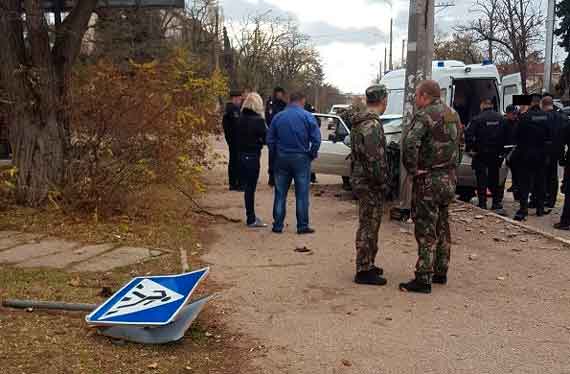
(258, 224)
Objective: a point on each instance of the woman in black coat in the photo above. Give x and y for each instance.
(250, 140)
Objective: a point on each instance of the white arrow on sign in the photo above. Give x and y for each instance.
(146, 295)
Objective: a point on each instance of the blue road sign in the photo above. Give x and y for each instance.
(148, 301)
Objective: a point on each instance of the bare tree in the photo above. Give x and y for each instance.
(487, 13)
(35, 71)
(461, 46)
(514, 26)
(272, 51)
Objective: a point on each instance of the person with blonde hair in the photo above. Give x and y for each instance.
(250, 140)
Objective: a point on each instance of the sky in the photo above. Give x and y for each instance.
(350, 34)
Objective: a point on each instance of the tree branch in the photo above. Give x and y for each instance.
(70, 34)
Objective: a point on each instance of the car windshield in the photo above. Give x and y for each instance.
(395, 102)
(392, 125)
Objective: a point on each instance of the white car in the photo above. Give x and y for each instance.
(336, 107)
(335, 150)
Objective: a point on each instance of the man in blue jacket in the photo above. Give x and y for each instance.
(294, 138)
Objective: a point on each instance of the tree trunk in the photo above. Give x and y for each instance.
(39, 155)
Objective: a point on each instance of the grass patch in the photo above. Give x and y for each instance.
(61, 342)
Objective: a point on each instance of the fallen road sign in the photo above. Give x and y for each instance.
(148, 301)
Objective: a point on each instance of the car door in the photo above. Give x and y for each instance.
(510, 85)
(333, 154)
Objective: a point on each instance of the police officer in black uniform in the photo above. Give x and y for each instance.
(486, 138)
(230, 122)
(555, 150)
(531, 138)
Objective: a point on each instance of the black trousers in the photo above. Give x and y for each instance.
(487, 169)
(234, 168)
(250, 166)
(552, 182)
(532, 178)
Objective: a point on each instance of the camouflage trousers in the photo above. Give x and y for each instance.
(370, 209)
(434, 239)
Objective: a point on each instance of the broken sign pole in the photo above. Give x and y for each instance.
(25, 304)
(418, 68)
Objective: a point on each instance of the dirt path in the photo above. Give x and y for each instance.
(505, 310)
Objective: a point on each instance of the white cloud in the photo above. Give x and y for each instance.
(350, 66)
(345, 31)
(338, 13)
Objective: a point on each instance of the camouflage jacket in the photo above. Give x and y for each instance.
(368, 145)
(432, 151)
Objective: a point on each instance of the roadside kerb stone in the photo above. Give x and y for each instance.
(29, 251)
(119, 257)
(63, 259)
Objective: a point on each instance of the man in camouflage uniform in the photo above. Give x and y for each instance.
(369, 182)
(431, 154)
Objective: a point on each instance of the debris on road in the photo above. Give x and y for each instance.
(302, 250)
(346, 363)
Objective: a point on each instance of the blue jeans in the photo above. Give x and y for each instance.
(249, 172)
(289, 167)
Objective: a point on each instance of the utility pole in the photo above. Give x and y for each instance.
(549, 46)
(418, 68)
(403, 53)
(385, 58)
(391, 39)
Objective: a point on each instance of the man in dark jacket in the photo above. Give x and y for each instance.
(531, 138)
(275, 105)
(486, 137)
(230, 122)
(555, 149)
(512, 120)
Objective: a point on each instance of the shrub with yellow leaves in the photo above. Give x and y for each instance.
(138, 125)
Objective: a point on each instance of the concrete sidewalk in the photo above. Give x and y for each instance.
(29, 250)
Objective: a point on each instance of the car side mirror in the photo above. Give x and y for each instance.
(332, 138)
(346, 140)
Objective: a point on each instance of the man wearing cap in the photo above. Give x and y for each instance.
(369, 182)
(512, 120)
(531, 138)
(486, 137)
(431, 153)
(230, 123)
(555, 150)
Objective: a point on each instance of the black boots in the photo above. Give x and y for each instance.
(542, 212)
(439, 279)
(521, 215)
(377, 270)
(416, 285)
(370, 277)
(562, 226)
